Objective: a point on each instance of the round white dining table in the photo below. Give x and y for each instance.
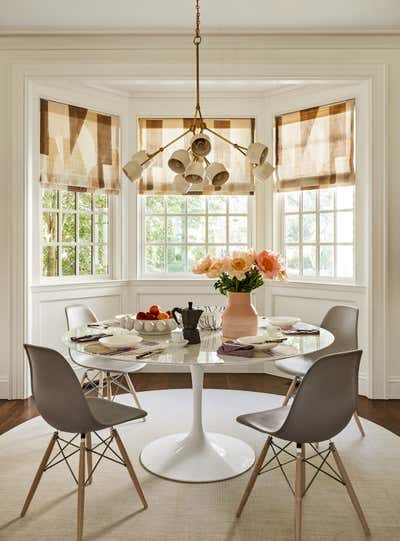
(198, 456)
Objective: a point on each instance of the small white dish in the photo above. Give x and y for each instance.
(121, 340)
(284, 322)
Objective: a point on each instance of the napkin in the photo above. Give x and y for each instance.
(233, 348)
(88, 337)
(301, 328)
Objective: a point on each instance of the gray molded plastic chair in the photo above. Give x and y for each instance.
(342, 322)
(65, 408)
(322, 407)
(80, 315)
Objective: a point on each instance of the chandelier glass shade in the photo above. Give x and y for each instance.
(191, 164)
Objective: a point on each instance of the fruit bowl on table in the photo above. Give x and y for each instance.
(155, 321)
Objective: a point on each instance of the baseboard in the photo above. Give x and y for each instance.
(4, 388)
(393, 388)
(229, 369)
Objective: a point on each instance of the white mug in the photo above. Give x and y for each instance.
(200, 144)
(194, 173)
(180, 184)
(264, 171)
(133, 170)
(257, 153)
(179, 160)
(217, 173)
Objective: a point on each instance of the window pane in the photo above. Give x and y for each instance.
(49, 226)
(101, 259)
(217, 204)
(220, 250)
(309, 227)
(238, 204)
(196, 204)
(84, 201)
(196, 229)
(345, 197)
(292, 228)
(67, 200)
(326, 267)
(309, 261)
(175, 204)
(292, 260)
(326, 199)
(85, 227)
(155, 229)
(238, 229)
(49, 199)
(50, 261)
(68, 228)
(344, 226)
(100, 200)
(216, 229)
(101, 227)
(176, 259)
(292, 201)
(85, 260)
(154, 259)
(194, 254)
(326, 221)
(154, 204)
(68, 262)
(175, 229)
(309, 200)
(344, 263)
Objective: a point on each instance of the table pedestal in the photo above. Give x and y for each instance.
(198, 456)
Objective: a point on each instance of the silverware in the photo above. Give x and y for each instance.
(120, 350)
(148, 353)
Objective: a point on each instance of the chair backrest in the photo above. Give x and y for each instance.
(56, 390)
(325, 400)
(79, 315)
(342, 322)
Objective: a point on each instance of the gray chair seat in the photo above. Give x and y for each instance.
(295, 366)
(108, 414)
(92, 362)
(265, 421)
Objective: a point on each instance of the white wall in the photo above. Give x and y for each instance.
(23, 60)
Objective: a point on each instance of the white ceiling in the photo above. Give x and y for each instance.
(222, 16)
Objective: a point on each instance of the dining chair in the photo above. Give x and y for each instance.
(114, 372)
(342, 322)
(66, 409)
(322, 407)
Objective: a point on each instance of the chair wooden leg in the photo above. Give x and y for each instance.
(129, 466)
(83, 378)
(290, 392)
(100, 389)
(256, 468)
(350, 489)
(81, 489)
(89, 458)
(108, 384)
(132, 390)
(39, 473)
(303, 474)
(360, 426)
(299, 491)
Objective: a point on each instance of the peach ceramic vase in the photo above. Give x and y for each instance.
(239, 317)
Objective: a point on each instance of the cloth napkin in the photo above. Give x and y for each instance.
(233, 348)
(301, 328)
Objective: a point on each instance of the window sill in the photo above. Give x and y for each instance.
(58, 285)
(320, 284)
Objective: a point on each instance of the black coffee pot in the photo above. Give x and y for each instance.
(190, 319)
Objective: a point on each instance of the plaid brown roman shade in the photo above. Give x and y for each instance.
(79, 148)
(157, 178)
(315, 147)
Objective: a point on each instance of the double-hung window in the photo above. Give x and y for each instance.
(316, 185)
(178, 229)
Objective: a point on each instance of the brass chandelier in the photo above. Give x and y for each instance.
(191, 164)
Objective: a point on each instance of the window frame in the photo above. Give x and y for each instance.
(144, 275)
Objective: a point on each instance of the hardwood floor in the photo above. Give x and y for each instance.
(383, 412)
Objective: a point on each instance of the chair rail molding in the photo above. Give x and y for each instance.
(29, 67)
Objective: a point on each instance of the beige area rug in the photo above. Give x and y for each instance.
(198, 512)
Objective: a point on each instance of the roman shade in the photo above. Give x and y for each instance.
(158, 179)
(315, 147)
(79, 148)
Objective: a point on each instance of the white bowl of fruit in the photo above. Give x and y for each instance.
(154, 321)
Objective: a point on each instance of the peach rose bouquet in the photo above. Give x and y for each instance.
(242, 271)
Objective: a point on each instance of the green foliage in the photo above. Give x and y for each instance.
(252, 280)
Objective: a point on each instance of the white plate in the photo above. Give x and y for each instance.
(261, 342)
(120, 340)
(284, 322)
